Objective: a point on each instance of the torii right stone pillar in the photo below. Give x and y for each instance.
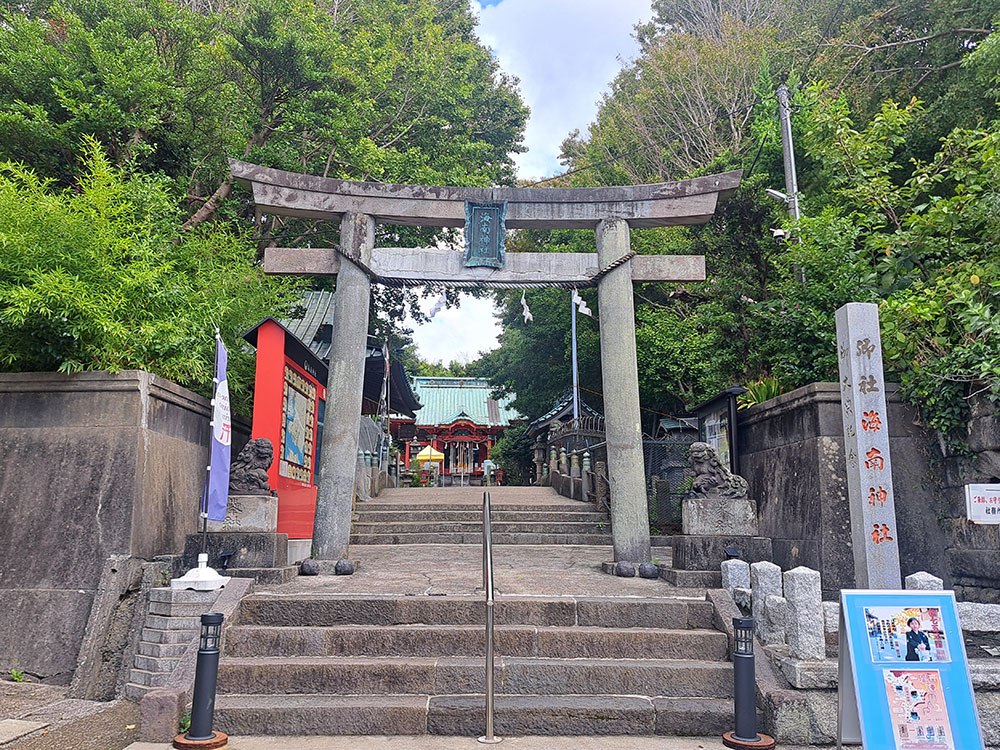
(620, 375)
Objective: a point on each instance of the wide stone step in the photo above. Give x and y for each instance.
(568, 506)
(606, 612)
(579, 715)
(477, 538)
(470, 640)
(561, 516)
(457, 675)
(299, 715)
(363, 526)
(463, 715)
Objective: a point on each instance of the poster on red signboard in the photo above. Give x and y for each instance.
(982, 503)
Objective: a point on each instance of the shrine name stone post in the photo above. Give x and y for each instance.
(357, 262)
(866, 447)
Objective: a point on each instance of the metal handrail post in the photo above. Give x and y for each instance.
(488, 738)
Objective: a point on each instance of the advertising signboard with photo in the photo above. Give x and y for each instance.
(904, 678)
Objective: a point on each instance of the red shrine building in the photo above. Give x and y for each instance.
(290, 404)
(460, 419)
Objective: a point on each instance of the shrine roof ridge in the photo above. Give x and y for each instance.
(691, 201)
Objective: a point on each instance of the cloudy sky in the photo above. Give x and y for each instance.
(565, 53)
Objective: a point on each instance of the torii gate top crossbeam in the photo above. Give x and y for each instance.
(666, 204)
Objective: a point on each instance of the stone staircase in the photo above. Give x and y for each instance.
(363, 664)
(453, 515)
(173, 622)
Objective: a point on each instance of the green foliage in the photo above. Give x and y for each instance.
(667, 115)
(185, 722)
(513, 455)
(815, 276)
(390, 90)
(900, 202)
(100, 277)
(759, 391)
(921, 238)
(415, 467)
(944, 337)
(17, 675)
(364, 92)
(534, 360)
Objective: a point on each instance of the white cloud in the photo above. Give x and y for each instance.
(457, 333)
(565, 52)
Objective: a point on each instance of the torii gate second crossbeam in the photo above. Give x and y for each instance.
(609, 211)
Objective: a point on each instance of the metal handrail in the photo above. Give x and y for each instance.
(488, 738)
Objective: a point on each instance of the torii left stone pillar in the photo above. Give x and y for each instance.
(344, 389)
(609, 211)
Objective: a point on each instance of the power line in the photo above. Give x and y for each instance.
(822, 39)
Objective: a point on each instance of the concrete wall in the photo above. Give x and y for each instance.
(792, 455)
(91, 465)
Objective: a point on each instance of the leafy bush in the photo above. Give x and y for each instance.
(513, 455)
(101, 277)
(760, 391)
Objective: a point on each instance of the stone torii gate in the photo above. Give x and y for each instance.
(610, 211)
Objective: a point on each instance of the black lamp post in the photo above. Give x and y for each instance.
(745, 691)
(206, 674)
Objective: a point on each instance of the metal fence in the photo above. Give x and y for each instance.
(667, 466)
(668, 479)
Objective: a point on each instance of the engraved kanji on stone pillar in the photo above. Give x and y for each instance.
(866, 447)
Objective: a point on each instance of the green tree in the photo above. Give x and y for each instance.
(534, 359)
(922, 238)
(513, 455)
(392, 90)
(99, 276)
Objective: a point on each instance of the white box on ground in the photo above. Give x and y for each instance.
(982, 503)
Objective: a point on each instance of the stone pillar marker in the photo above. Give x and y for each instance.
(735, 574)
(339, 460)
(765, 581)
(923, 581)
(772, 630)
(805, 626)
(866, 447)
(620, 378)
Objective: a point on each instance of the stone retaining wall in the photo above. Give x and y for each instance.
(91, 465)
(792, 455)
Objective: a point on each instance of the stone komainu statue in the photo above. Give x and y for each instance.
(711, 477)
(248, 473)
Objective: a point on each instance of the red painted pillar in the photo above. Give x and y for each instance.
(407, 459)
(269, 390)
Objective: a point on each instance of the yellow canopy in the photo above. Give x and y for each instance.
(429, 454)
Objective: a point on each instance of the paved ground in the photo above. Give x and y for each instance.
(60, 723)
(464, 743)
(456, 569)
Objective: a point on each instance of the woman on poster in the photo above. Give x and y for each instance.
(918, 646)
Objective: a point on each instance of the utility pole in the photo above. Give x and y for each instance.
(788, 150)
(576, 374)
